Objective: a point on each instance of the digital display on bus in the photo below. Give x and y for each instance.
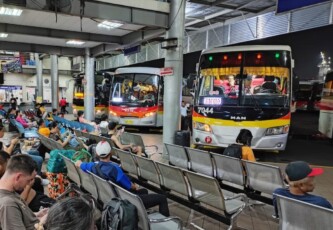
(212, 101)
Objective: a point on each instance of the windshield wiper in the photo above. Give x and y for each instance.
(256, 104)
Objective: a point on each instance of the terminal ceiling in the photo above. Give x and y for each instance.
(40, 29)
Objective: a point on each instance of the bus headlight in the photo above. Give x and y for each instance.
(113, 113)
(149, 114)
(277, 130)
(202, 127)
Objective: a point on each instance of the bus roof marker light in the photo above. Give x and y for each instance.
(277, 55)
(210, 58)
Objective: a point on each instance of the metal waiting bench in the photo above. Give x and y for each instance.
(298, 215)
(177, 156)
(263, 178)
(104, 191)
(153, 221)
(200, 161)
(194, 187)
(50, 143)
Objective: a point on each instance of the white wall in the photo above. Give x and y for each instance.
(25, 80)
(64, 63)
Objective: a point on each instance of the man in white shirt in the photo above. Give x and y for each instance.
(183, 113)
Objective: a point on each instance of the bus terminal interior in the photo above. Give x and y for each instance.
(182, 79)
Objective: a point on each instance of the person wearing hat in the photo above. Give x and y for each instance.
(300, 177)
(111, 171)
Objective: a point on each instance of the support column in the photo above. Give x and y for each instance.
(54, 81)
(172, 84)
(39, 75)
(89, 88)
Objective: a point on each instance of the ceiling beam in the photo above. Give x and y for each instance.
(53, 33)
(147, 4)
(208, 17)
(236, 19)
(133, 38)
(224, 5)
(36, 48)
(104, 11)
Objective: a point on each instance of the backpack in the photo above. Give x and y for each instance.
(119, 215)
(82, 155)
(233, 150)
(56, 163)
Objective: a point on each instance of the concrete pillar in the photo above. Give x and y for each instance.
(89, 88)
(172, 84)
(54, 81)
(39, 75)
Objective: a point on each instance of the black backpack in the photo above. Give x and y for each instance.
(119, 215)
(233, 150)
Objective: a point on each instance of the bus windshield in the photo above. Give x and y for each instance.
(134, 90)
(248, 78)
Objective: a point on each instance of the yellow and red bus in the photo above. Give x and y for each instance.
(136, 97)
(102, 91)
(243, 87)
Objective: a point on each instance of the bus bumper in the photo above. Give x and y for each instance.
(262, 142)
(135, 121)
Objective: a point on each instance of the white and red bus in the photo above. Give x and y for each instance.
(136, 97)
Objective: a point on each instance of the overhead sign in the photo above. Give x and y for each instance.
(166, 71)
(132, 50)
(289, 5)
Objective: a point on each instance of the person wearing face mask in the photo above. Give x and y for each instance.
(14, 212)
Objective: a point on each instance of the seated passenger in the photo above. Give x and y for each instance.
(300, 178)
(110, 171)
(45, 131)
(55, 134)
(269, 85)
(34, 199)
(11, 146)
(81, 119)
(231, 89)
(15, 213)
(104, 121)
(20, 119)
(244, 138)
(115, 134)
(70, 213)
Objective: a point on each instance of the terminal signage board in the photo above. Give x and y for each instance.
(166, 71)
(289, 5)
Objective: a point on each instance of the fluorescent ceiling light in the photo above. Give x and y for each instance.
(3, 35)
(10, 11)
(75, 42)
(109, 25)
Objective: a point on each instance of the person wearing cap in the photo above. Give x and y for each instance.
(111, 171)
(300, 177)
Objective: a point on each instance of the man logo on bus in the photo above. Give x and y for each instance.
(238, 118)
